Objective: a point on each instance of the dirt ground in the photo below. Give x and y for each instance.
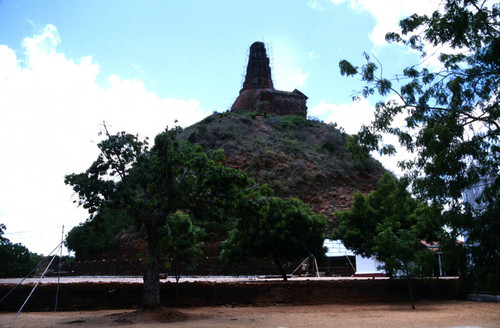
(427, 314)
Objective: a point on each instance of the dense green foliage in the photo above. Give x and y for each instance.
(281, 230)
(181, 243)
(152, 185)
(483, 246)
(452, 116)
(390, 225)
(96, 235)
(16, 260)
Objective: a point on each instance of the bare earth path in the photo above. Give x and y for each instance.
(427, 314)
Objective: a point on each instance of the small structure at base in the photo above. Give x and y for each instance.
(361, 266)
(368, 267)
(258, 93)
(338, 260)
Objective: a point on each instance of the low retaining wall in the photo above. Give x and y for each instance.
(205, 266)
(92, 296)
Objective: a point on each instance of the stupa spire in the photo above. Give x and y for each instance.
(258, 70)
(258, 93)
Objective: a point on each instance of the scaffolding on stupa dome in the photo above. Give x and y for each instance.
(258, 73)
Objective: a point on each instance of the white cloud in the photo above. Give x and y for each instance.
(314, 5)
(8, 62)
(287, 74)
(348, 116)
(313, 55)
(297, 77)
(51, 108)
(356, 114)
(287, 78)
(138, 68)
(388, 13)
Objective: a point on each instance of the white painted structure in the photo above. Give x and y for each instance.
(367, 266)
(364, 266)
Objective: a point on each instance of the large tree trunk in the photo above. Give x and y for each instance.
(151, 291)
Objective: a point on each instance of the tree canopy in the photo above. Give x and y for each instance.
(278, 229)
(181, 243)
(391, 226)
(98, 234)
(152, 184)
(16, 259)
(451, 111)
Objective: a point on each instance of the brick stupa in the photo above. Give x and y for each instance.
(258, 93)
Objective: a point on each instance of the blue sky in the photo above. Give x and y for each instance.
(66, 66)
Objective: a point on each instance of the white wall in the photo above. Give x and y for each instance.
(367, 265)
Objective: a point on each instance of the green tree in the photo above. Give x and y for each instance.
(16, 259)
(278, 229)
(151, 185)
(390, 225)
(2, 232)
(98, 234)
(484, 248)
(451, 111)
(181, 243)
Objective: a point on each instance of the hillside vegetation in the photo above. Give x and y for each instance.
(295, 156)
